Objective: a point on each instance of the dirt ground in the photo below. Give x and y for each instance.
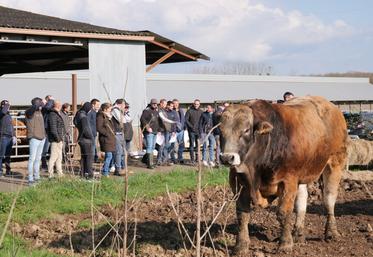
(158, 234)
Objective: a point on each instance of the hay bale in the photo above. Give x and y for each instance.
(360, 152)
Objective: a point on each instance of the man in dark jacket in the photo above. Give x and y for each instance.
(192, 117)
(205, 126)
(36, 136)
(85, 139)
(118, 121)
(56, 133)
(180, 128)
(7, 136)
(47, 107)
(65, 114)
(170, 132)
(106, 136)
(149, 121)
(162, 130)
(92, 123)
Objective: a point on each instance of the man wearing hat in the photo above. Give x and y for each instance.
(127, 126)
(149, 121)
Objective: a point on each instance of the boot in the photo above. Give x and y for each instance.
(145, 158)
(150, 161)
(44, 164)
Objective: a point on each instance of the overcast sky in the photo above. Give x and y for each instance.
(295, 37)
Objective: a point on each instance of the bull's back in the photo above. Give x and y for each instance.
(316, 130)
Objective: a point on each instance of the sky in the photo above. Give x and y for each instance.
(294, 37)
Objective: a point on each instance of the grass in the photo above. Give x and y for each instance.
(72, 196)
(14, 246)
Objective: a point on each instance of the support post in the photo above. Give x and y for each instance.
(74, 93)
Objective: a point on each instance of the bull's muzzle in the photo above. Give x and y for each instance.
(232, 159)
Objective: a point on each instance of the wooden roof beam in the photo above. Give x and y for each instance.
(160, 60)
(170, 48)
(54, 33)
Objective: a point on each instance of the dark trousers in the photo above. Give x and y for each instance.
(86, 157)
(193, 144)
(44, 155)
(6, 144)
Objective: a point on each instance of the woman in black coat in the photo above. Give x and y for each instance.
(106, 135)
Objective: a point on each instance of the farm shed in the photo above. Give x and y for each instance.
(117, 59)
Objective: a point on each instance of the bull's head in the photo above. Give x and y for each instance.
(239, 131)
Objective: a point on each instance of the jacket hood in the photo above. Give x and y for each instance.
(86, 107)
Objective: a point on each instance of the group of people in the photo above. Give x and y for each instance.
(163, 125)
(49, 131)
(113, 125)
(47, 123)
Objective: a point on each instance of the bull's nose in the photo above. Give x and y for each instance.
(231, 159)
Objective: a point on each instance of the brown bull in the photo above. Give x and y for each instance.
(275, 150)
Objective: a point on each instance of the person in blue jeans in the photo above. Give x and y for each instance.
(149, 122)
(170, 131)
(180, 128)
(106, 135)
(118, 120)
(36, 136)
(205, 126)
(7, 136)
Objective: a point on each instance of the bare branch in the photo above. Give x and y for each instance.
(178, 217)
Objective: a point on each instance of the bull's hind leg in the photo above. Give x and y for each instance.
(301, 207)
(331, 177)
(286, 207)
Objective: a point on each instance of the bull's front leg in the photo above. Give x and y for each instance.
(286, 206)
(242, 211)
(243, 218)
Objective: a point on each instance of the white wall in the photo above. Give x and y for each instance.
(117, 70)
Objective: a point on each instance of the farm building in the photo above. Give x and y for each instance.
(351, 94)
(116, 59)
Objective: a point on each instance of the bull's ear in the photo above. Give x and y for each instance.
(264, 128)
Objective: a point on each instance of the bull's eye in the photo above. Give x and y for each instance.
(247, 131)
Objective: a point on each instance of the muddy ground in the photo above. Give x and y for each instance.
(158, 234)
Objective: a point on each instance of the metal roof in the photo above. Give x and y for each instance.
(31, 42)
(13, 18)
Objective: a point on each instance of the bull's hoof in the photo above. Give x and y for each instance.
(332, 235)
(242, 249)
(299, 238)
(285, 248)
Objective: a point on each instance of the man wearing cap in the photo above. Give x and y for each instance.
(127, 126)
(7, 136)
(149, 121)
